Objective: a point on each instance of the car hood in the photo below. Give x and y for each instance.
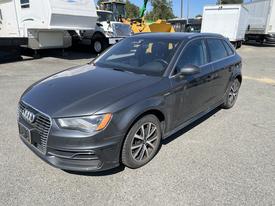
(83, 90)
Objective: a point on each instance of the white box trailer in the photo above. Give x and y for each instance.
(45, 23)
(261, 21)
(227, 20)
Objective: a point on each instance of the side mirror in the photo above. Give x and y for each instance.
(189, 70)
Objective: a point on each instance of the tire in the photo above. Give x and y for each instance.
(232, 94)
(140, 147)
(99, 44)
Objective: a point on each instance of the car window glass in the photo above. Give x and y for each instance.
(216, 49)
(228, 48)
(149, 56)
(193, 55)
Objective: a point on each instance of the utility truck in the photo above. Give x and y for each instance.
(227, 20)
(261, 21)
(107, 31)
(44, 23)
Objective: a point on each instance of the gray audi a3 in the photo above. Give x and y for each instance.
(118, 108)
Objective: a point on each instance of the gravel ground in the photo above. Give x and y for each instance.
(227, 158)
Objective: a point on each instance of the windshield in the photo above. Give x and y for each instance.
(141, 55)
(105, 16)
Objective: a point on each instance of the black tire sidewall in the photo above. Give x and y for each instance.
(126, 156)
(103, 42)
(227, 104)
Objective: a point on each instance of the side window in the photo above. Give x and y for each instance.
(228, 48)
(216, 49)
(25, 4)
(1, 17)
(193, 54)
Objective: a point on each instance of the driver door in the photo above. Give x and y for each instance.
(192, 94)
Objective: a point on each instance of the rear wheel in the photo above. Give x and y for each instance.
(142, 142)
(232, 94)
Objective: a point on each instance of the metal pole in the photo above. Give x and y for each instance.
(181, 9)
(188, 2)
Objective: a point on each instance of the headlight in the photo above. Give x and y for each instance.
(109, 34)
(85, 124)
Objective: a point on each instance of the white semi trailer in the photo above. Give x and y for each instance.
(227, 20)
(44, 23)
(261, 21)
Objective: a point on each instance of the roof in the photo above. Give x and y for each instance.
(176, 35)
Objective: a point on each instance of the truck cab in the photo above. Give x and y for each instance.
(108, 31)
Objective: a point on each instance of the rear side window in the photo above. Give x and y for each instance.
(194, 54)
(25, 4)
(228, 48)
(216, 49)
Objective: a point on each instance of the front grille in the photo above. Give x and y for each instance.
(122, 30)
(41, 125)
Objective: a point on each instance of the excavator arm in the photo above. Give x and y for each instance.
(143, 8)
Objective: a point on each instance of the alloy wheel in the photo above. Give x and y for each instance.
(233, 93)
(144, 142)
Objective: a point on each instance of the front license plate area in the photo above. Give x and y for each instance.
(25, 133)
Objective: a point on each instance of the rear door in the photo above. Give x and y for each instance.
(223, 64)
(192, 94)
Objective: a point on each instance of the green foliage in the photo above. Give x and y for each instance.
(99, 2)
(132, 11)
(229, 1)
(162, 9)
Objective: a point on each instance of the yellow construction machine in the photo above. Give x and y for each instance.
(139, 24)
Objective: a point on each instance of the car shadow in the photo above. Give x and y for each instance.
(102, 173)
(189, 127)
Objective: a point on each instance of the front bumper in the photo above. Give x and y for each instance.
(69, 149)
(98, 158)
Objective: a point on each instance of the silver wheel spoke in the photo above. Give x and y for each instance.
(150, 144)
(137, 152)
(146, 151)
(138, 137)
(142, 153)
(153, 139)
(152, 132)
(136, 146)
(143, 132)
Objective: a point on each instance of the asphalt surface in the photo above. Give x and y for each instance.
(226, 158)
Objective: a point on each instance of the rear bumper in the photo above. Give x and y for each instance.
(100, 158)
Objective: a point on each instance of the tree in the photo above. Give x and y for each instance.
(229, 1)
(132, 11)
(99, 2)
(162, 9)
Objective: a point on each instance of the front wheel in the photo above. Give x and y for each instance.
(232, 94)
(99, 45)
(142, 142)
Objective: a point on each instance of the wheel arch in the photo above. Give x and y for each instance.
(239, 77)
(98, 34)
